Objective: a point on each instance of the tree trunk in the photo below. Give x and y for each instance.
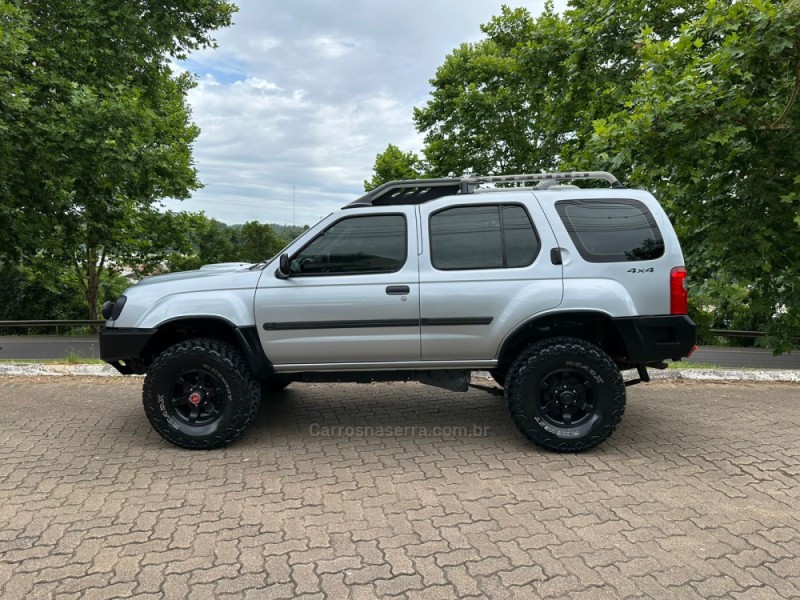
(90, 279)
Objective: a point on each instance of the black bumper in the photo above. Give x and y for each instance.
(654, 339)
(124, 345)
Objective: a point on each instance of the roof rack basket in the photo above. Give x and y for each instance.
(417, 191)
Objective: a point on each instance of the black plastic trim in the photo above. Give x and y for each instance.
(655, 338)
(123, 343)
(417, 191)
(371, 323)
(359, 324)
(456, 321)
(127, 345)
(555, 256)
(398, 290)
(254, 353)
(118, 306)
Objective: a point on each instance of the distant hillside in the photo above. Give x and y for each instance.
(288, 232)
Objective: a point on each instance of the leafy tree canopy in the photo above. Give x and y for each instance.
(213, 242)
(712, 126)
(696, 101)
(392, 165)
(94, 125)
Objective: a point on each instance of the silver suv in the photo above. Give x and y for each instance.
(553, 289)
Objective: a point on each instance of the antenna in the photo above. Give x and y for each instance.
(293, 211)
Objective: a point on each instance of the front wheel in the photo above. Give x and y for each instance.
(565, 394)
(200, 394)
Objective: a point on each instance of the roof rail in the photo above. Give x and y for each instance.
(417, 191)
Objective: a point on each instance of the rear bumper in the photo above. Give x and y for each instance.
(658, 338)
(124, 345)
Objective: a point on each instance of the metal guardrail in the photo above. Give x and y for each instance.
(736, 333)
(48, 323)
(51, 323)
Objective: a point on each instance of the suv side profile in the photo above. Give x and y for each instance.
(554, 289)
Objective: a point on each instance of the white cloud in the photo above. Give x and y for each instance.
(306, 93)
(330, 47)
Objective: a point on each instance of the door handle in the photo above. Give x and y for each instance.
(398, 290)
(555, 256)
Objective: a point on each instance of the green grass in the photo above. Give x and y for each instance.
(72, 357)
(68, 360)
(686, 365)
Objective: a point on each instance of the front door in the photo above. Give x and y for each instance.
(352, 297)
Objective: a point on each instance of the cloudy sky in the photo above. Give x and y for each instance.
(306, 93)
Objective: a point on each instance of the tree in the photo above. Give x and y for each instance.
(485, 116)
(96, 129)
(42, 290)
(524, 98)
(209, 241)
(258, 242)
(393, 164)
(712, 126)
(696, 101)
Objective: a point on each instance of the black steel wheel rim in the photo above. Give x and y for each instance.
(198, 397)
(566, 398)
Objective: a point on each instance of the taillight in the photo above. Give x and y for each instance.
(678, 296)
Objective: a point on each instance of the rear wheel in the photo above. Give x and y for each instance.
(200, 394)
(565, 394)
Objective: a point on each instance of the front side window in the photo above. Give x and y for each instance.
(482, 237)
(611, 230)
(354, 246)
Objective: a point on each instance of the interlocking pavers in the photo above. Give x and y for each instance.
(695, 496)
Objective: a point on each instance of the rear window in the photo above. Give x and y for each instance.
(611, 230)
(482, 237)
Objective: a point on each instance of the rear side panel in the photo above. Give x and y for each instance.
(619, 284)
(464, 312)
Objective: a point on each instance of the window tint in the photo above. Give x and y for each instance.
(611, 230)
(482, 237)
(372, 244)
(521, 242)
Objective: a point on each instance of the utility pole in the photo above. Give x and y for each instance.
(293, 212)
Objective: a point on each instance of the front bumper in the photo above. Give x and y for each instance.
(122, 348)
(658, 338)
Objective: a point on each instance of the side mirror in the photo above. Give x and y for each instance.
(284, 269)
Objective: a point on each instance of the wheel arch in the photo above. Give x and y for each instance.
(180, 329)
(592, 326)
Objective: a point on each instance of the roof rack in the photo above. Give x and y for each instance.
(417, 191)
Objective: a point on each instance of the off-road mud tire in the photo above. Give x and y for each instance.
(558, 372)
(238, 393)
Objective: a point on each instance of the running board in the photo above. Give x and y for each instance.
(455, 380)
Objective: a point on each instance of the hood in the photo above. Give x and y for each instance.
(228, 266)
(224, 291)
(204, 272)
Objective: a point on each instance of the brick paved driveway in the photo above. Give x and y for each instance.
(695, 496)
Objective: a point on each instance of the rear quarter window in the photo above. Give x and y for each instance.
(611, 230)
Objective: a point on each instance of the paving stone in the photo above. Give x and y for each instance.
(693, 497)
